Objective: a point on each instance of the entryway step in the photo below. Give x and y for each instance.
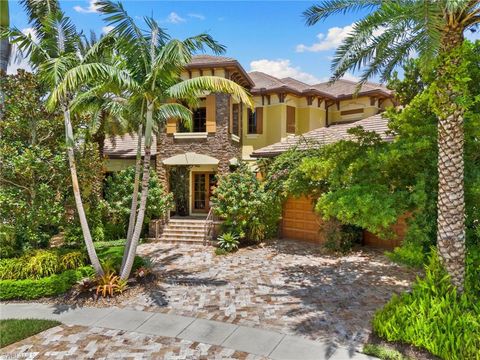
(181, 241)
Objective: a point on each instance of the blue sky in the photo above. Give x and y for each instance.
(268, 36)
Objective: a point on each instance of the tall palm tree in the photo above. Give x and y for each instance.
(153, 65)
(384, 39)
(4, 44)
(51, 56)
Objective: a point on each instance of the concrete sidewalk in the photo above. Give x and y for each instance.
(251, 340)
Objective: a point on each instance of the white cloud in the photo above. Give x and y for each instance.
(197, 16)
(17, 60)
(107, 29)
(92, 7)
(281, 68)
(174, 18)
(332, 40)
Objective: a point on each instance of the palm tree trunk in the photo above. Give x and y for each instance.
(451, 201)
(76, 193)
(4, 54)
(128, 263)
(133, 209)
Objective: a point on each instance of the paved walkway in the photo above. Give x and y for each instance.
(291, 287)
(247, 340)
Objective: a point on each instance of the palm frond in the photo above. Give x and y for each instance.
(27, 47)
(174, 111)
(52, 70)
(385, 38)
(85, 73)
(198, 85)
(203, 41)
(126, 29)
(328, 8)
(37, 10)
(60, 34)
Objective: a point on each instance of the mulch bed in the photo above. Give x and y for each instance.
(91, 299)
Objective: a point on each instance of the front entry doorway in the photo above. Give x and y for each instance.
(202, 185)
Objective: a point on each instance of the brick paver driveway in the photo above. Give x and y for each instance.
(288, 286)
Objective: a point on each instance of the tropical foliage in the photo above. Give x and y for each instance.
(123, 81)
(434, 316)
(248, 209)
(386, 37)
(118, 197)
(33, 167)
(228, 242)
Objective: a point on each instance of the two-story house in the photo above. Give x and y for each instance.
(225, 132)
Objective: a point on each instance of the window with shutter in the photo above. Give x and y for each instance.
(252, 122)
(290, 119)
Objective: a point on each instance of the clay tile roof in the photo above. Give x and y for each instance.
(344, 87)
(265, 81)
(296, 84)
(209, 60)
(125, 147)
(326, 135)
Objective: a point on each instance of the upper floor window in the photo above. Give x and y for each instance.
(255, 121)
(236, 119)
(252, 122)
(199, 119)
(290, 119)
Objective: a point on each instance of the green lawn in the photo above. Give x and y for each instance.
(13, 330)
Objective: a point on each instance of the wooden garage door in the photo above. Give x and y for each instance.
(300, 221)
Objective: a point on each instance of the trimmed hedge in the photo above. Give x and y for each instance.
(29, 289)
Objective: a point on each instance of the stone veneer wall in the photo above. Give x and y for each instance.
(218, 145)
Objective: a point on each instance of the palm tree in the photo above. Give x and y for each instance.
(4, 44)
(153, 64)
(52, 55)
(386, 38)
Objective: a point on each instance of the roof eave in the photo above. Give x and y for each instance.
(225, 63)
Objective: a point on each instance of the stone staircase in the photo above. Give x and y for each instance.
(187, 230)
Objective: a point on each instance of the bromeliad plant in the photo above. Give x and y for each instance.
(228, 241)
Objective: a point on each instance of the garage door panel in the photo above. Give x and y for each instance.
(300, 220)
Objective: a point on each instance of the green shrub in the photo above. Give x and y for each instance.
(228, 242)
(433, 316)
(247, 207)
(112, 257)
(340, 237)
(8, 243)
(410, 253)
(118, 197)
(73, 260)
(13, 269)
(29, 289)
(41, 263)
